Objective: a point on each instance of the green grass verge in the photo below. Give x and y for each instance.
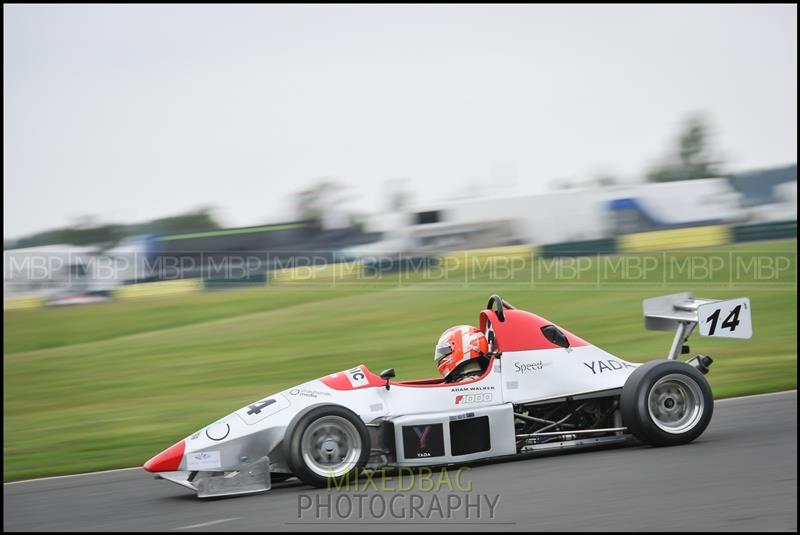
(108, 385)
(27, 330)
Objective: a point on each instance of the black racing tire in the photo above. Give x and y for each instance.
(322, 435)
(666, 403)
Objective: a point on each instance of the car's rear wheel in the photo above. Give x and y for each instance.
(328, 442)
(666, 403)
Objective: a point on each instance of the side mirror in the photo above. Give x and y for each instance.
(555, 335)
(386, 375)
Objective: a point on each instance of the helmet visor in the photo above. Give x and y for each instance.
(442, 351)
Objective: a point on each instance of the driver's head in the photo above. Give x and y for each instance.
(457, 347)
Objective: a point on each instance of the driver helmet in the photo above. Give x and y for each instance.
(459, 346)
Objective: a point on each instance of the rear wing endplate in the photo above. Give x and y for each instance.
(683, 312)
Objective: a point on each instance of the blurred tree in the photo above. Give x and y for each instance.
(606, 180)
(692, 158)
(85, 231)
(399, 197)
(313, 203)
(200, 219)
(562, 184)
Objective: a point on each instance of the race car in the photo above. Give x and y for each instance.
(542, 389)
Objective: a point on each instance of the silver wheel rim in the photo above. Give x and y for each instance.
(675, 403)
(331, 446)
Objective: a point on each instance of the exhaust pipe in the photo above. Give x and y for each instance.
(701, 362)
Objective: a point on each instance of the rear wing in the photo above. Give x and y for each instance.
(683, 312)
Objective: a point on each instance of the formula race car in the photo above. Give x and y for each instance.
(543, 388)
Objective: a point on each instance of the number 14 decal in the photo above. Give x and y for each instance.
(730, 322)
(726, 319)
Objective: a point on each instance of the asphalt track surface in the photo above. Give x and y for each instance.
(741, 474)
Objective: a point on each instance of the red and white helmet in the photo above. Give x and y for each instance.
(457, 346)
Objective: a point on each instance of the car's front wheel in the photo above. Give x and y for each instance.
(666, 403)
(328, 442)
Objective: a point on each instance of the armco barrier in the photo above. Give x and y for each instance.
(491, 253)
(258, 278)
(20, 303)
(682, 238)
(386, 265)
(773, 230)
(325, 273)
(579, 248)
(159, 288)
(472, 263)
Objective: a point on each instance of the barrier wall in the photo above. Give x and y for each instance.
(683, 238)
(159, 288)
(488, 254)
(579, 248)
(773, 230)
(327, 273)
(21, 303)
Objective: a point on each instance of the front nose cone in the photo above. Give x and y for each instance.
(168, 460)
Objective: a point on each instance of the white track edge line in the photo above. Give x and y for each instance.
(73, 475)
(757, 395)
(206, 524)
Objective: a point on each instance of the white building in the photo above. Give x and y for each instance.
(571, 215)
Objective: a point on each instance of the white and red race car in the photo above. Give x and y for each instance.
(543, 389)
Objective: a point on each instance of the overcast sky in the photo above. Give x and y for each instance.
(129, 113)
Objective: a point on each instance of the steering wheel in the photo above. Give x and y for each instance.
(497, 304)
